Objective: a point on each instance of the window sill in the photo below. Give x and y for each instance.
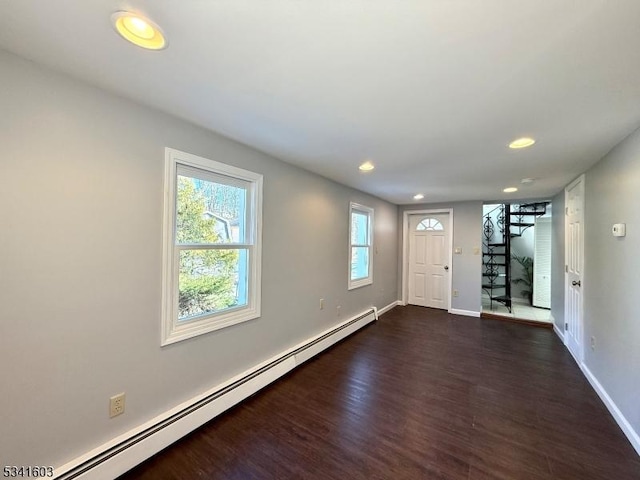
(186, 330)
(359, 283)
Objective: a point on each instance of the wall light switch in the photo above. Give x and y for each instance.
(476, 250)
(457, 250)
(619, 229)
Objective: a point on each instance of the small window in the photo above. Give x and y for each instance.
(360, 242)
(429, 224)
(212, 246)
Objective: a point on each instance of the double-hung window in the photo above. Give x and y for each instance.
(212, 218)
(360, 242)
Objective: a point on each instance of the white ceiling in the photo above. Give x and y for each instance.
(431, 91)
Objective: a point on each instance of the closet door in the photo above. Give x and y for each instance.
(542, 263)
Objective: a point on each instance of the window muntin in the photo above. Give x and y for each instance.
(212, 246)
(429, 224)
(360, 242)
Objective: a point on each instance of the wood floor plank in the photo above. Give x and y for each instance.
(420, 394)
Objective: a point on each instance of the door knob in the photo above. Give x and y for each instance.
(576, 283)
(446, 267)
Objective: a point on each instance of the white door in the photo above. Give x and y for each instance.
(542, 263)
(428, 260)
(574, 259)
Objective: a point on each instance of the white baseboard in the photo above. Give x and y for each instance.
(466, 313)
(626, 427)
(133, 447)
(389, 307)
(559, 332)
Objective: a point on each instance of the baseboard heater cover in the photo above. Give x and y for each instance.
(116, 459)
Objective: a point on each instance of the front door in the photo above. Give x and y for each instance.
(428, 260)
(574, 240)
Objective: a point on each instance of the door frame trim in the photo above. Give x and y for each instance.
(405, 250)
(581, 179)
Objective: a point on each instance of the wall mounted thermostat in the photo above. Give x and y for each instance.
(619, 229)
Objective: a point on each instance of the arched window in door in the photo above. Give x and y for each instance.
(429, 224)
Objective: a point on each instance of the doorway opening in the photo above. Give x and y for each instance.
(516, 261)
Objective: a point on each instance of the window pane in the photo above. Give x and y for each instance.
(211, 281)
(429, 224)
(359, 228)
(209, 212)
(359, 262)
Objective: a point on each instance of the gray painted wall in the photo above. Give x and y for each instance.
(81, 192)
(611, 287)
(557, 260)
(467, 268)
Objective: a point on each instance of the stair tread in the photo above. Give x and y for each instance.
(516, 214)
(492, 254)
(495, 285)
(498, 275)
(495, 264)
(522, 224)
(497, 244)
(501, 298)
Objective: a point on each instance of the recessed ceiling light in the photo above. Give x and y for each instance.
(510, 190)
(418, 196)
(523, 142)
(139, 30)
(367, 166)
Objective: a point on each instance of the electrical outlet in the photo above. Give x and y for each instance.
(116, 405)
(593, 343)
(455, 293)
(322, 304)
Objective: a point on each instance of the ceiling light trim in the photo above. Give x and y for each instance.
(139, 30)
(366, 166)
(522, 142)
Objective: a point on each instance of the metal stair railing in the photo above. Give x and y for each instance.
(493, 251)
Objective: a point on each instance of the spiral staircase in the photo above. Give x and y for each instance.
(500, 225)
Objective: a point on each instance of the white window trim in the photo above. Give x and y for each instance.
(361, 282)
(172, 330)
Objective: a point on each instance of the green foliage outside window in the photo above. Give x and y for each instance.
(207, 277)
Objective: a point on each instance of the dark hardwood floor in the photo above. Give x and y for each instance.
(420, 394)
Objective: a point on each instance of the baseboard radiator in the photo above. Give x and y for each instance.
(127, 451)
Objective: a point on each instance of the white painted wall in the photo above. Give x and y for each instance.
(467, 267)
(611, 287)
(80, 264)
